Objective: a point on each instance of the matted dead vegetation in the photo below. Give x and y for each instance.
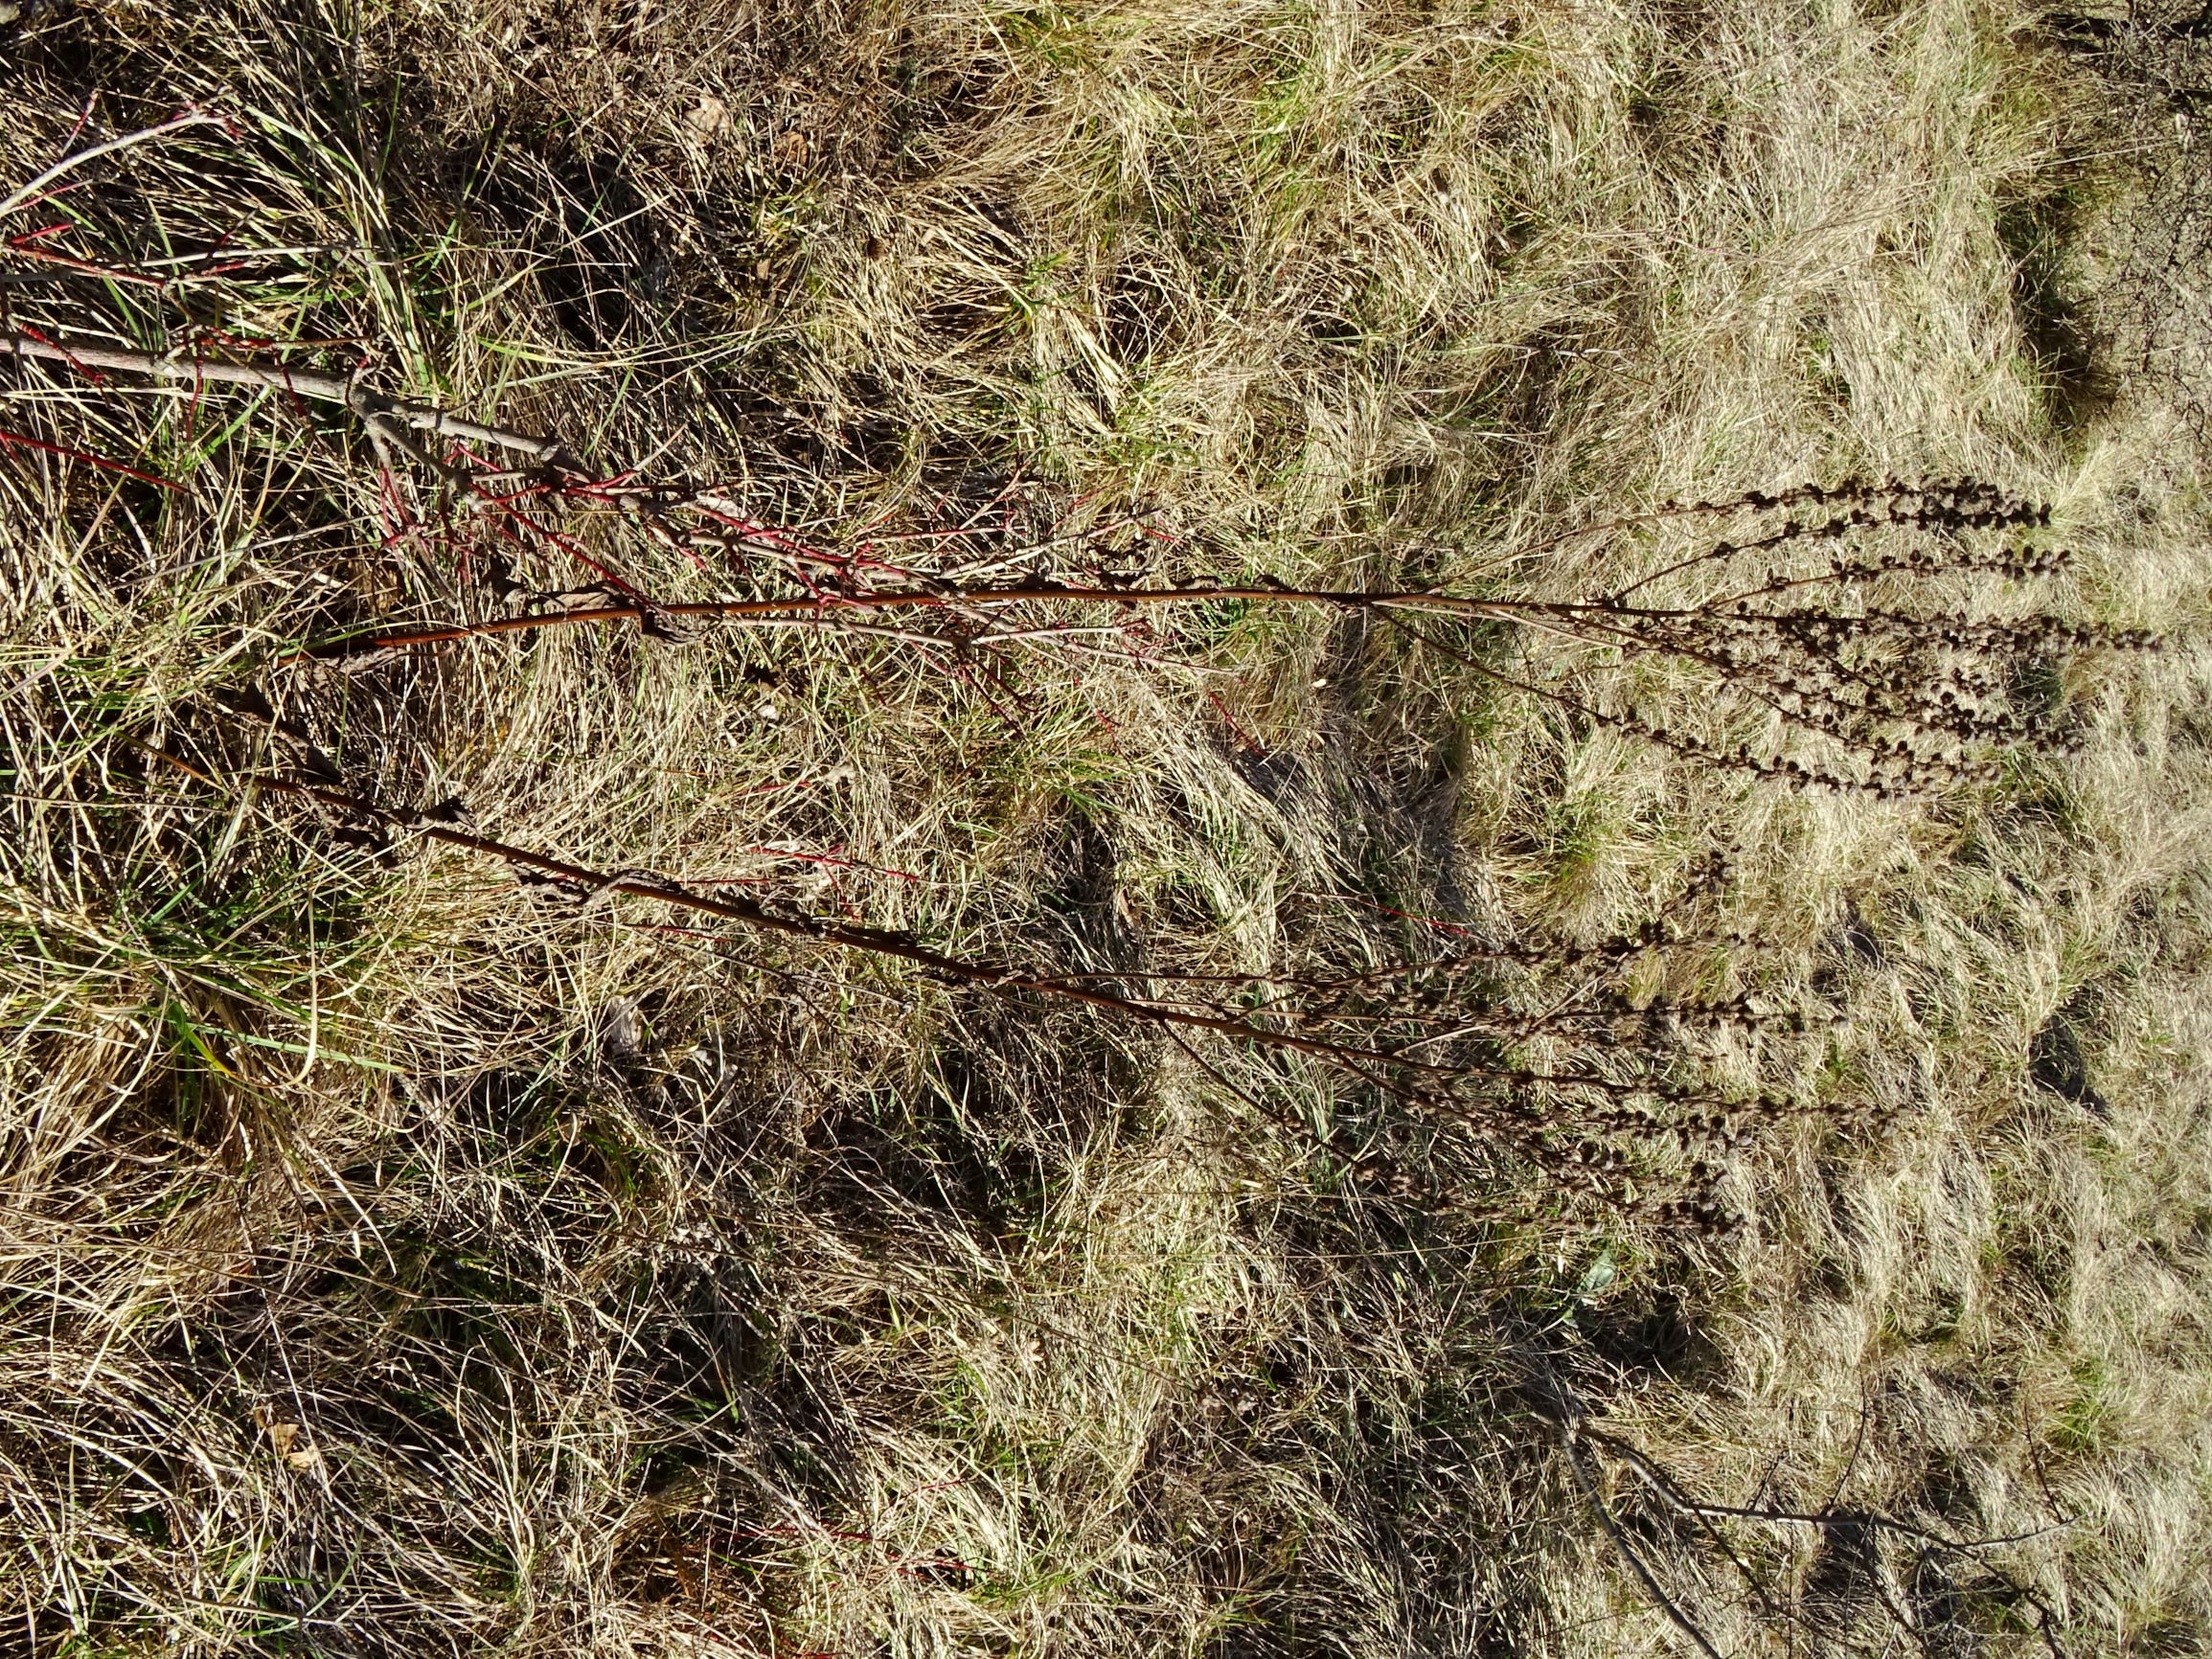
(1115, 830)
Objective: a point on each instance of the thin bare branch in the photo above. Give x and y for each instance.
(1635, 1562)
(377, 409)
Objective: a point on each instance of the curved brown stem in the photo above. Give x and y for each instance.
(803, 607)
(996, 978)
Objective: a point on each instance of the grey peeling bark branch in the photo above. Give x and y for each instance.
(383, 416)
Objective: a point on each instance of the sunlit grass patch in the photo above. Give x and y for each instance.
(403, 1255)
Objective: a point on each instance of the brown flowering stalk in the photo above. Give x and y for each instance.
(1847, 629)
(1441, 1037)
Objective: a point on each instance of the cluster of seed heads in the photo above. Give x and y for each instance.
(1886, 700)
(1956, 508)
(1461, 958)
(1625, 1081)
(1603, 1174)
(1962, 494)
(1627, 1078)
(1447, 998)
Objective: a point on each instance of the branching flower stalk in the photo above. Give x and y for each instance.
(1892, 701)
(1426, 1034)
(1882, 700)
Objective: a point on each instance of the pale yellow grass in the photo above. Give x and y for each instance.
(629, 1298)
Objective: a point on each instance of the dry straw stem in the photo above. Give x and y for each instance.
(31, 188)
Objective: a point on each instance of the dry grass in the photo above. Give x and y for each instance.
(399, 1259)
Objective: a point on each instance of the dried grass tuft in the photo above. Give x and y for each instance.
(400, 1256)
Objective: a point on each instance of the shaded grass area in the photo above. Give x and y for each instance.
(400, 1260)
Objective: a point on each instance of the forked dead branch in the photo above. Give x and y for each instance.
(1692, 1525)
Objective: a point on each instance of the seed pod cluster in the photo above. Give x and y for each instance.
(1872, 662)
(1545, 1052)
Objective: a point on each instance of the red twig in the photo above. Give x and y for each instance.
(102, 461)
(825, 858)
(1242, 736)
(1440, 926)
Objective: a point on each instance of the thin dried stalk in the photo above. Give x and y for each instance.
(997, 978)
(69, 164)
